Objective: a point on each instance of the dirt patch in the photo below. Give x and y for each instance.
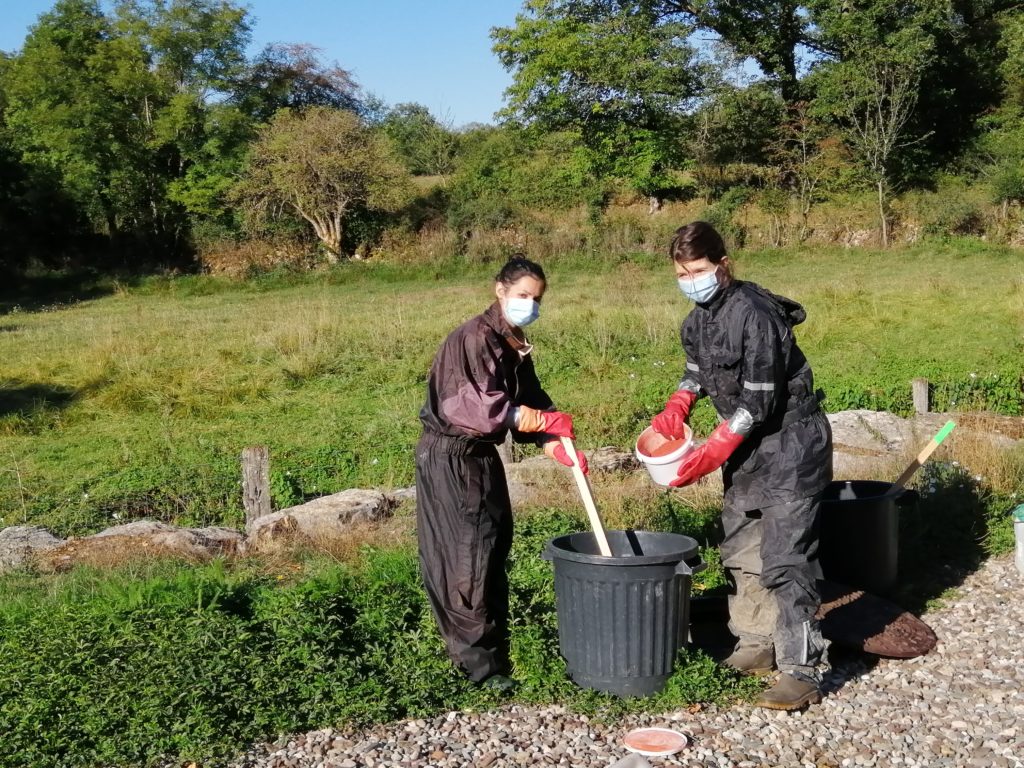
(108, 552)
(993, 423)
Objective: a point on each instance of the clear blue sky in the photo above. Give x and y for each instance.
(435, 52)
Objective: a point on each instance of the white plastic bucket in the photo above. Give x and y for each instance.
(663, 467)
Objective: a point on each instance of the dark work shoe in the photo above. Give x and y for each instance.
(499, 683)
(752, 661)
(789, 693)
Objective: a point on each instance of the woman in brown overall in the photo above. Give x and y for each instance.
(482, 384)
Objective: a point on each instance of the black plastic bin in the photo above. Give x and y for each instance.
(859, 543)
(622, 619)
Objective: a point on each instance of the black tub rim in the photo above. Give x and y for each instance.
(688, 553)
(881, 489)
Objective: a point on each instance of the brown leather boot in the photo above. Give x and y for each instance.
(789, 693)
(752, 661)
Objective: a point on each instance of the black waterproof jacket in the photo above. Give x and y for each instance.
(480, 373)
(741, 352)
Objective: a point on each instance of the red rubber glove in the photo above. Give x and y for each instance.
(709, 457)
(555, 450)
(550, 422)
(671, 420)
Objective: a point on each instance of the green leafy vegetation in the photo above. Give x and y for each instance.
(137, 666)
(171, 145)
(161, 662)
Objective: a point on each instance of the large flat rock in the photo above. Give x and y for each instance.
(327, 517)
(20, 544)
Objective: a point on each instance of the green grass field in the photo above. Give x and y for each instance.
(138, 403)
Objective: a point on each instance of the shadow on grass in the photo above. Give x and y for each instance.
(942, 540)
(39, 292)
(22, 399)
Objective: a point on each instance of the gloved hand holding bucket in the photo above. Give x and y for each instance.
(662, 447)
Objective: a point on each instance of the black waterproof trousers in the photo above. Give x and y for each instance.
(464, 528)
(771, 556)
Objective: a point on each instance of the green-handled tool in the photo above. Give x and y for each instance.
(922, 457)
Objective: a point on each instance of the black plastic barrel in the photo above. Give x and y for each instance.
(859, 544)
(622, 619)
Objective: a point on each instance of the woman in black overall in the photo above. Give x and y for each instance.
(482, 384)
(774, 446)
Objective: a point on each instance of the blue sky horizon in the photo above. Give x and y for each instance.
(438, 55)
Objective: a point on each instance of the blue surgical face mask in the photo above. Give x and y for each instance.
(521, 312)
(700, 289)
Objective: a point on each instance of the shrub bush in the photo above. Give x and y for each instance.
(247, 258)
(952, 209)
(723, 215)
(506, 173)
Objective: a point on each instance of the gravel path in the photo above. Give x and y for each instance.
(961, 705)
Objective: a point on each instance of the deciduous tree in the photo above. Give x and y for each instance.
(321, 164)
(428, 146)
(293, 76)
(809, 155)
(121, 108)
(616, 74)
(872, 97)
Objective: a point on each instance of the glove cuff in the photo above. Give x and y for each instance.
(682, 398)
(529, 419)
(724, 436)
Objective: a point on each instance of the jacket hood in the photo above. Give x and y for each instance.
(792, 311)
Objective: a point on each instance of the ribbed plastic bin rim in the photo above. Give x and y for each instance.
(689, 549)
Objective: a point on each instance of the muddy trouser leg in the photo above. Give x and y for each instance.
(464, 532)
(752, 609)
(790, 570)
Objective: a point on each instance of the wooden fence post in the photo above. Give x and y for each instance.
(255, 482)
(919, 392)
(505, 450)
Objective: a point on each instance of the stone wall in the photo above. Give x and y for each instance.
(867, 444)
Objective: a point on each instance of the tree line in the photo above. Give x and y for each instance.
(135, 138)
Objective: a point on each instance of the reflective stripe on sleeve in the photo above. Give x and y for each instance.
(692, 366)
(759, 386)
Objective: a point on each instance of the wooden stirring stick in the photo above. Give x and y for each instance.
(588, 498)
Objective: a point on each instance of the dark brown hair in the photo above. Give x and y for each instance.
(519, 266)
(697, 240)
(700, 240)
